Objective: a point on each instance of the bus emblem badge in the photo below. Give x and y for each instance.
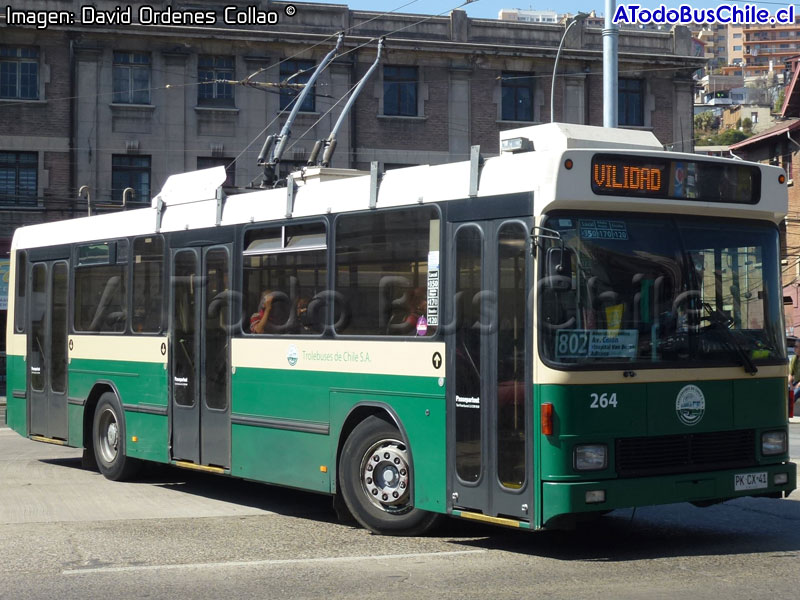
(690, 405)
(291, 355)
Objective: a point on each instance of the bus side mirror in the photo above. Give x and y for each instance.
(558, 269)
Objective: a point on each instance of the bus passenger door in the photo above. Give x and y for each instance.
(489, 364)
(47, 349)
(200, 355)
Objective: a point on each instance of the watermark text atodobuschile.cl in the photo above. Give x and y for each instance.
(685, 14)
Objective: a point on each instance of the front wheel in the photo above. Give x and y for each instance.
(108, 435)
(376, 480)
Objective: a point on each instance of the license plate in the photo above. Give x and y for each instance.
(749, 481)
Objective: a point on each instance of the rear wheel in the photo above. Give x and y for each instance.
(108, 433)
(376, 480)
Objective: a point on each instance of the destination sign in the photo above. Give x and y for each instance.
(675, 179)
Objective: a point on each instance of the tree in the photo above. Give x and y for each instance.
(731, 136)
(779, 100)
(706, 122)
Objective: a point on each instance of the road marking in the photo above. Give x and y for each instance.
(262, 563)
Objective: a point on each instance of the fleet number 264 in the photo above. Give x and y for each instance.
(603, 400)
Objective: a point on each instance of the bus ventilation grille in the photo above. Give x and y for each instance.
(636, 457)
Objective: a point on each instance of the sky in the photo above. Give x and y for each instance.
(488, 9)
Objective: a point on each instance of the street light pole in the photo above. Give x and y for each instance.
(579, 17)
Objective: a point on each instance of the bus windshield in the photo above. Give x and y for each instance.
(631, 290)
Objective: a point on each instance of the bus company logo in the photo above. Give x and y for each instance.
(291, 355)
(690, 405)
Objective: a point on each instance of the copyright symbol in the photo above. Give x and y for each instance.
(290, 10)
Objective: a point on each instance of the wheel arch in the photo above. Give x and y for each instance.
(359, 413)
(99, 388)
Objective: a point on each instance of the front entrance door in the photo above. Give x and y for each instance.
(201, 359)
(47, 349)
(489, 368)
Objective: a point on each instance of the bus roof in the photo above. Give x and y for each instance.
(191, 200)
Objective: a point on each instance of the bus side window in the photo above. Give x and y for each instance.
(289, 264)
(148, 285)
(19, 303)
(101, 271)
(387, 267)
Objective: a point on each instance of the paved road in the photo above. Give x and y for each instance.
(67, 532)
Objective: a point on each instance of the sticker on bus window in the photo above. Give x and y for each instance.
(600, 343)
(433, 292)
(468, 402)
(422, 326)
(603, 229)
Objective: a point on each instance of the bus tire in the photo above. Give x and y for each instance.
(108, 437)
(376, 479)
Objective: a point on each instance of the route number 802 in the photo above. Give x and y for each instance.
(603, 400)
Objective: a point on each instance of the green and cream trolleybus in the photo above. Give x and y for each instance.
(582, 323)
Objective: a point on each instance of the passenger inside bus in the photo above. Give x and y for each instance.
(267, 315)
(406, 312)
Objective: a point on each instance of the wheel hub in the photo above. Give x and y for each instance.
(113, 435)
(385, 475)
(109, 436)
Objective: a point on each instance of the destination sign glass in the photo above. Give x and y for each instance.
(675, 179)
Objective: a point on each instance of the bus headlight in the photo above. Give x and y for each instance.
(773, 442)
(590, 457)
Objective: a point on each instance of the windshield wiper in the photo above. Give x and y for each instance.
(721, 321)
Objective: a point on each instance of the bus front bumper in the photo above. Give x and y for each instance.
(563, 498)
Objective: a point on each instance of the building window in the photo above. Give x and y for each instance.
(18, 178)
(213, 72)
(737, 48)
(517, 96)
(131, 78)
(305, 68)
(19, 72)
(209, 162)
(400, 91)
(631, 102)
(130, 172)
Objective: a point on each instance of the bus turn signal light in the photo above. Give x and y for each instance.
(547, 419)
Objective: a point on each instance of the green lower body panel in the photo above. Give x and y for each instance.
(291, 458)
(142, 388)
(147, 436)
(75, 419)
(562, 498)
(276, 408)
(16, 408)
